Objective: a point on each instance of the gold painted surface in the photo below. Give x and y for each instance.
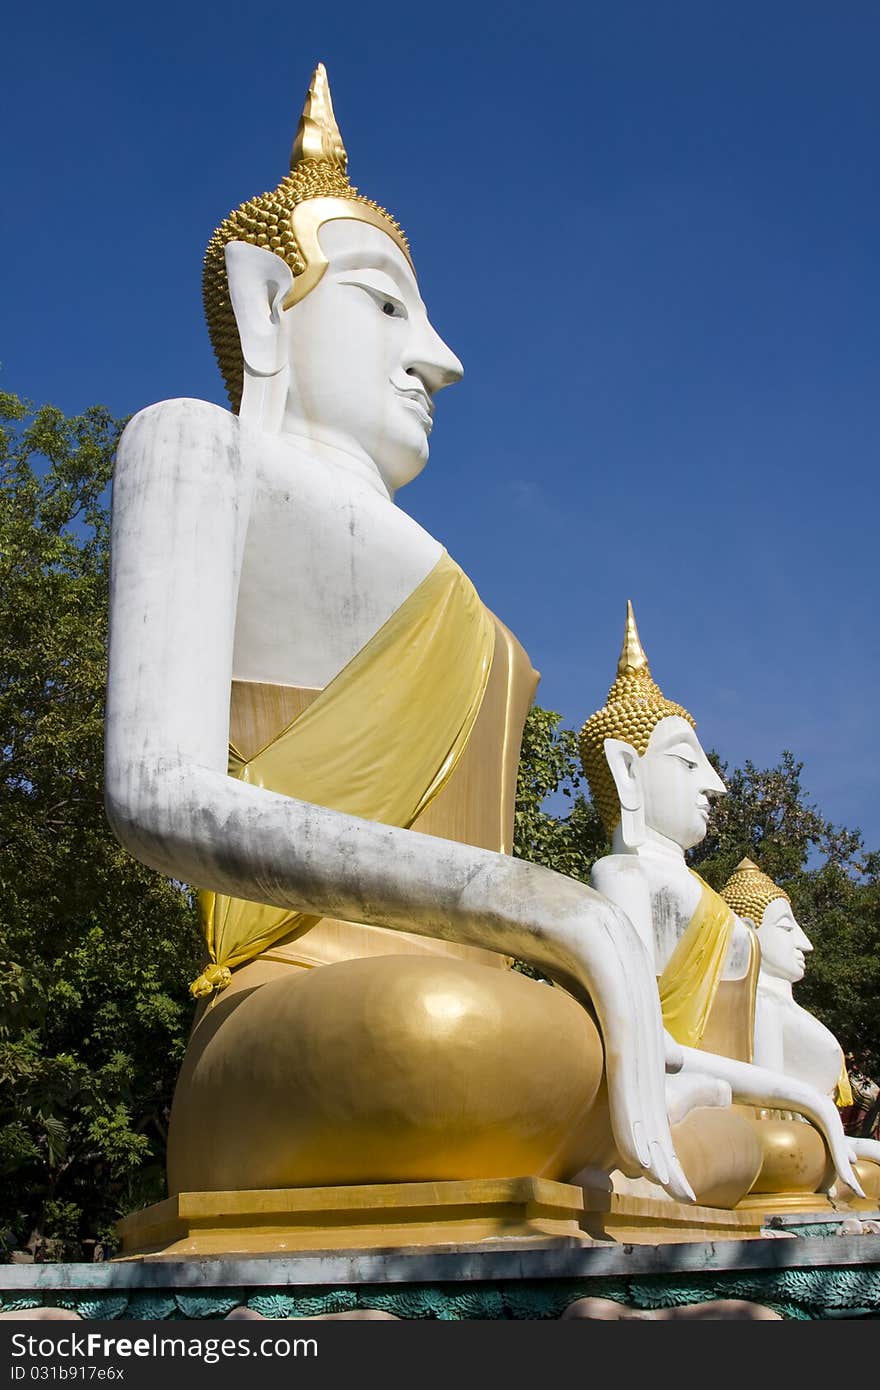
(720, 1153)
(795, 1157)
(634, 707)
(750, 891)
(730, 1030)
(521, 1210)
(475, 807)
(868, 1174)
(644, 1221)
(317, 136)
(404, 1058)
(318, 171)
(768, 1204)
(306, 221)
(390, 1069)
(380, 741)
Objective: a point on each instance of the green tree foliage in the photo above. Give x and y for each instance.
(567, 838)
(95, 950)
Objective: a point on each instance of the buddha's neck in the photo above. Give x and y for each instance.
(774, 986)
(655, 848)
(340, 455)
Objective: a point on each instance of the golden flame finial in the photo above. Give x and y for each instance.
(632, 657)
(317, 136)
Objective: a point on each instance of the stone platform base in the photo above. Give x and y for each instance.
(808, 1276)
(637, 1220)
(511, 1212)
(374, 1216)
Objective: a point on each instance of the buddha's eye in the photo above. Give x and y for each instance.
(382, 297)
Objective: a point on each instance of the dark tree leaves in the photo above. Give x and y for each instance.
(95, 949)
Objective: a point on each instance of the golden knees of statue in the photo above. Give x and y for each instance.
(423, 1068)
(388, 1069)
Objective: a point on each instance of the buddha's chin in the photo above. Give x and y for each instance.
(399, 467)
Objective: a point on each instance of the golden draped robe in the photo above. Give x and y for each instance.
(421, 729)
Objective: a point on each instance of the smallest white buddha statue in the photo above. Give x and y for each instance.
(788, 1038)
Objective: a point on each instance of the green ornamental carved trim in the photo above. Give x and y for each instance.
(794, 1293)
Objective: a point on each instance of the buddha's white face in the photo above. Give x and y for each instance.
(784, 943)
(365, 362)
(677, 783)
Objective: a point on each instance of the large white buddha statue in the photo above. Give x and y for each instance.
(312, 717)
(653, 785)
(788, 1038)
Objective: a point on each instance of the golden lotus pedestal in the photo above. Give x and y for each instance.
(513, 1211)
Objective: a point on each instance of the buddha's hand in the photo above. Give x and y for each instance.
(581, 939)
(616, 971)
(758, 1086)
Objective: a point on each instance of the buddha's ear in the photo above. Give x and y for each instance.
(624, 765)
(258, 282)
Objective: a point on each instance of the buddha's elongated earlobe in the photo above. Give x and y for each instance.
(258, 283)
(623, 764)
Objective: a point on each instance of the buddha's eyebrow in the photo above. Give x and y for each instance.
(374, 260)
(670, 737)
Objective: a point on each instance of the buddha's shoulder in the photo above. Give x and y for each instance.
(182, 421)
(183, 438)
(617, 868)
(620, 876)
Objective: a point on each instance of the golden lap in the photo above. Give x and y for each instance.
(721, 1154)
(868, 1174)
(390, 1069)
(795, 1158)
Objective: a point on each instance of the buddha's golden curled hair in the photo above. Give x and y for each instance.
(318, 169)
(749, 891)
(634, 708)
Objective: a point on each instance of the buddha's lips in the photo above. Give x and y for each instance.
(422, 401)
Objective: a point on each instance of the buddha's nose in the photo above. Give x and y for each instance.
(712, 783)
(429, 358)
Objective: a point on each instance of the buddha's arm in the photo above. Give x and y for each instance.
(865, 1148)
(752, 1085)
(181, 497)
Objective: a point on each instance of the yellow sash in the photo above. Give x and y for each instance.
(690, 981)
(379, 742)
(843, 1094)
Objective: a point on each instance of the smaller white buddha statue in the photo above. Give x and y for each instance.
(788, 1038)
(653, 786)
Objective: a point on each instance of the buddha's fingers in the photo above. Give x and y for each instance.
(621, 982)
(759, 1086)
(866, 1148)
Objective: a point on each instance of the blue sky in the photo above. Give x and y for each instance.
(650, 231)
